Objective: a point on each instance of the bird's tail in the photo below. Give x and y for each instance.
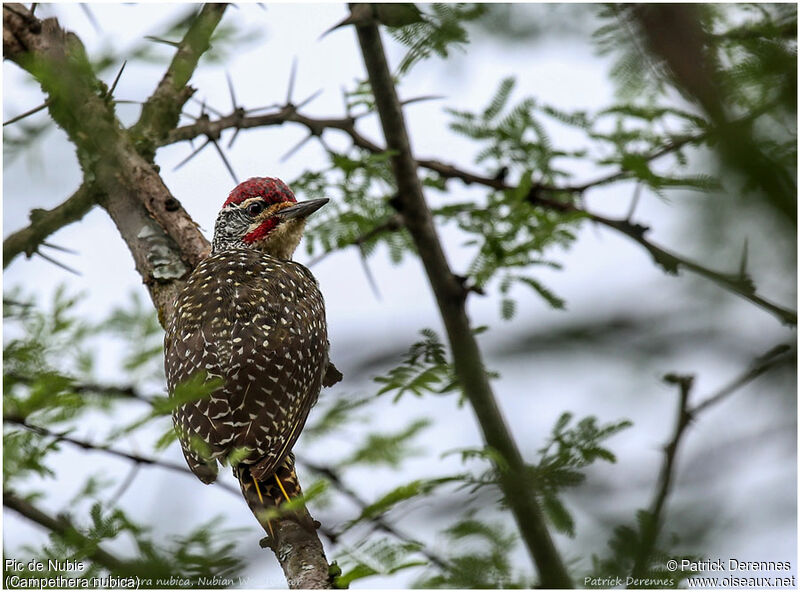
(265, 495)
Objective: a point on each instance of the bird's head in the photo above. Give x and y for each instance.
(263, 214)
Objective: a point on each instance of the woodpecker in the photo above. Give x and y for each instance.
(254, 319)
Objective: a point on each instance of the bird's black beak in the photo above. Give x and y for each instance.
(303, 209)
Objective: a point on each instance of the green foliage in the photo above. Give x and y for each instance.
(516, 137)
(410, 491)
(359, 184)
(479, 558)
(333, 416)
(45, 361)
(389, 449)
(440, 27)
(425, 369)
(24, 455)
(752, 50)
(137, 323)
(511, 232)
(382, 556)
(568, 451)
(49, 381)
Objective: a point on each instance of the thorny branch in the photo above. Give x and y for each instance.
(739, 284)
(164, 241)
(27, 240)
(161, 111)
(686, 413)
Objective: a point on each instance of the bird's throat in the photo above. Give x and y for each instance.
(278, 240)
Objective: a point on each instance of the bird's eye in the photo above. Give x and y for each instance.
(255, 208)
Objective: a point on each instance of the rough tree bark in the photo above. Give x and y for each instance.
(119, 175)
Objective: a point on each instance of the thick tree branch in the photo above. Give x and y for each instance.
(63, 527)
(163, 239)
(450, 298)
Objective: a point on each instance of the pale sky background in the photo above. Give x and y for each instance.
(604, 274)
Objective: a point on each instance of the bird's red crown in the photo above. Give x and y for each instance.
(270, 189)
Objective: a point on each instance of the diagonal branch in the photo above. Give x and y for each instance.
(46, 222)
(780, 354)
(739, 284)
(90, 446)
(451, 299)
(161, 112)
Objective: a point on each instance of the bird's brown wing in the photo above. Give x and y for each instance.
(282, 359)
(185, 353)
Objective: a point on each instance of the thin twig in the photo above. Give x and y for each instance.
(90, 446)
(125, 485)
(651, 526)
(779, 354)
(686, 413)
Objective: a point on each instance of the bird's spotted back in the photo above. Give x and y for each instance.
(258, 323)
